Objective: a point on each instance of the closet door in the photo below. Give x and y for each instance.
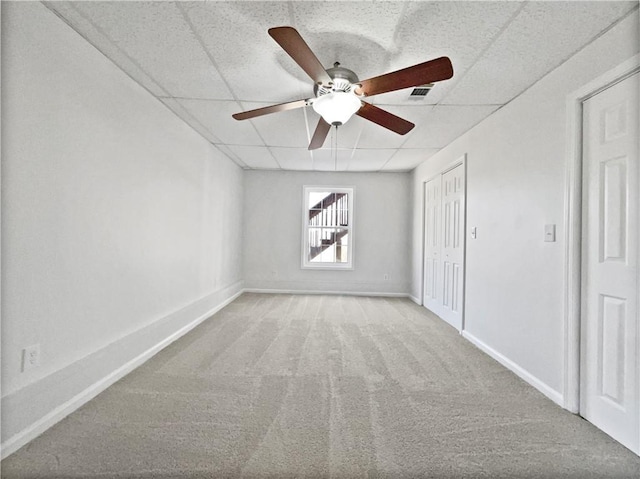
(453, 227)
(432, 238)
(610, 349)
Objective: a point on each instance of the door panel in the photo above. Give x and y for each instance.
(613, 204)
(432, 243)
(611, 351)
(453, 246)
(609, 395)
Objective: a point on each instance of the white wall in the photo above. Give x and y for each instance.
(273, 229)
(516, 185)
(121, 225)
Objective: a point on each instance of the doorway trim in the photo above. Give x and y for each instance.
(573, 220)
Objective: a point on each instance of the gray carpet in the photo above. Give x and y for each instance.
(322, 386)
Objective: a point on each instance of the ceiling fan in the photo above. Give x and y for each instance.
(338, 91)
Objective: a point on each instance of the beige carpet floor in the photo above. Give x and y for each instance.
(322, 386)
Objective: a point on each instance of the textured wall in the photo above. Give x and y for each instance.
(273, 229)
(516, 164)
(115, 213)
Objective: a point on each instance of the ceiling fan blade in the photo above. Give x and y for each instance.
(427, 72)
(384, 118)
(292, 43)
(245, 115)
(322, 130)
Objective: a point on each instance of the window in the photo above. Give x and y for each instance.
(327, 236)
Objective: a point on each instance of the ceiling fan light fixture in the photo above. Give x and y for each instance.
(337, 107)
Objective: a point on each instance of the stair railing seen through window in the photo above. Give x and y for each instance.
(327, 227)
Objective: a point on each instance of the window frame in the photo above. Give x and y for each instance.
(305, 262)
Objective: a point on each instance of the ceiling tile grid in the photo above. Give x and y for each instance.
(231, 155)
(288, 129)
(235, 36)
(293, 158)
(407, 159)
(358, 35)
(539, 39)
(444, 123)
(175, 106)
(255, 156)
(208, 60)
(94, 35)
(459, 30)
(215, 116)
(157, 36)
(346, 136)
(331, 159)
(369, 159)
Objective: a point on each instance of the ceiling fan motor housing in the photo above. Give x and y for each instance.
(342, 78)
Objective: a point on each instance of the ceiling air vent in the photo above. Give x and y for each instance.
(420, 92)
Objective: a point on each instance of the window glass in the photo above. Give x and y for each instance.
(327, 228)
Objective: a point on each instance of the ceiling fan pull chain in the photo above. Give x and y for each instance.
(335, 148)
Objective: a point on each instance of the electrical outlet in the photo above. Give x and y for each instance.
(30, 357)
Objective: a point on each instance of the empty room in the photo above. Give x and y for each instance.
(320, 239)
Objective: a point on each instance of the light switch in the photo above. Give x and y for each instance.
(550, 233)
(473, 232)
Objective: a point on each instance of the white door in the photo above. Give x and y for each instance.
(453, 246)
(432, 236)
(610, 381)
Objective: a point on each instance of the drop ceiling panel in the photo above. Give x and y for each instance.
(258, 157)
(215, 117)
(157, 37)
(208, 60)
(326, 159)
(98, 39)
(254, 65)
(444, 123)
(539, 39)
(359, 35)
(459, 30)
(408, 159)
(293, 158)
(369, 159)
(285, 128)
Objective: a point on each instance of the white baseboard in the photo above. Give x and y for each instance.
(344, 293)
(551, 393)
(414, 299)
(42, 389)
